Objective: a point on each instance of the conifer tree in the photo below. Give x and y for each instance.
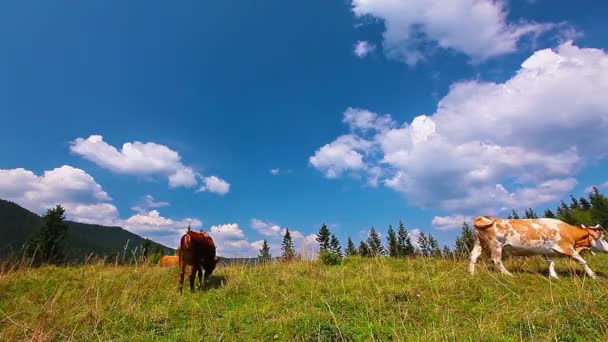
(265, 255)
(549, 214)
(513, 215)
(466, 240)
(289, 252)
(599, 207)
(433, 246)
(391, 240)
(423, 244)
(404, 241)
(323, 238)
(375, 244)
(447, 252)
(530, 214)
(46, 245)
(351, 250)
(363, 249)
(334, 245)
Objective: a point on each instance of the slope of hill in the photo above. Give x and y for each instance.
(382, 299)
(17, 224)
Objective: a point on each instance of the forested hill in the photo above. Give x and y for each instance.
(17, 224)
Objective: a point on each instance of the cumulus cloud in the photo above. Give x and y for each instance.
(477, 28)
(71, 187)
(147, 159)
(231, 241)
(147, 202)
(136, 158)
(489, 145)
(275, 172)
(216, 185)
(85, 201)
(153, 225)
(363, 48)
(449, 222)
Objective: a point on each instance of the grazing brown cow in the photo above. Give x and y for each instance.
(169, 260)
(547, 237)
(198, 251)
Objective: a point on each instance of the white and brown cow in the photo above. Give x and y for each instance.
(547, 237)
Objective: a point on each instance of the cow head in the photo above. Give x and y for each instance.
(210, 265)
(596, 235)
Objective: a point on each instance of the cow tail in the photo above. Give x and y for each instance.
(484, 222)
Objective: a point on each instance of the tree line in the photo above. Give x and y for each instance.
(588, 211)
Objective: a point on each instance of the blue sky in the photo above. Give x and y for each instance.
(213, 96)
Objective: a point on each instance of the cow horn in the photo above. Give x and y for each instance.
(597, 226)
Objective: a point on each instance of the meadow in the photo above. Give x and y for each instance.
(376, 299)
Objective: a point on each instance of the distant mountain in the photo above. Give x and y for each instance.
(17, 224)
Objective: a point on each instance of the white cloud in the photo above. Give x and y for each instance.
(340, 156)
(136, 158)
(153, 225)
(147, 202)
(275, 172)
(477, 28)
(266, 228)
(489, 146)
(70, 187)
(449, 222)
(601, 186)
(363, 48)
(216, 185)
(227, 231)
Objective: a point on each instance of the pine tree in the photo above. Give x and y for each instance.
(599, 207)
(404, 241)
(574, 203)
(265, 255)
(46, 243)
(363, 249)
(323, 238)
(564, 213)
(433, 245)
(585, 204)
(446, 253)
(391, 240)
(334, 245)
(351, 250)
(513, 215)
(423, 244)
(287, 247)
(375, 244)
(466, 240)
(530, 214)
(549, 214)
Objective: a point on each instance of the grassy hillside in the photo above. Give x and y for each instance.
(362, 299)
(17, 224)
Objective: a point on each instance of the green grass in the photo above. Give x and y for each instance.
(361, 299)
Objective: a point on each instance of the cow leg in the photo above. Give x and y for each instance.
(191, 278)
(199, 271)
(182, 270)
(497, 259)
(475, 253)
(551, 264)
(583, 263)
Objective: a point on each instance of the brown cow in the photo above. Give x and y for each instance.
(547, 237)
(169, 260)
(198, 251)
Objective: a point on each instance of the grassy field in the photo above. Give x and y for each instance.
(362, 299)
